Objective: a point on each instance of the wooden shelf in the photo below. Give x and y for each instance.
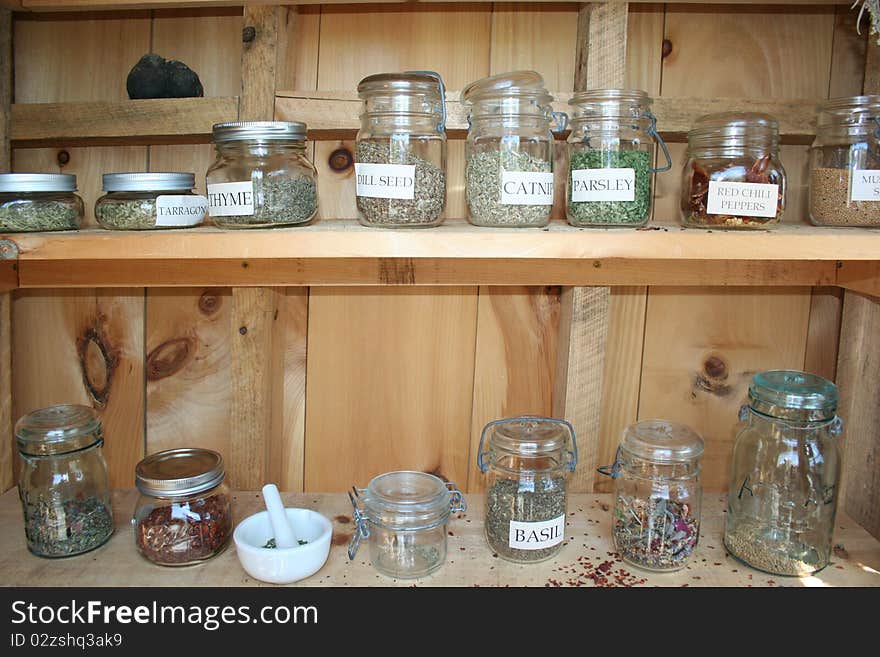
(856, 560)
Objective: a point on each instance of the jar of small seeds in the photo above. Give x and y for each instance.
(262, 177)
(733, 177)
(63, 483)
(400, 154)
(509, 150)
(657, 494)
(403, 516)
(526, 460)
(610, 156)
(141, 201)
(31, 202)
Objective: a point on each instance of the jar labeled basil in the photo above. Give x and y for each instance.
(786, 473)
(657, 494)
(63, 482)
(610, 156)
(526, 461)
(845, 163)
(141, 201)
(509, 150)
(184, 512)
(400, 154)
(31, 202)
(262, 177)
(733, 177)
(403, 516)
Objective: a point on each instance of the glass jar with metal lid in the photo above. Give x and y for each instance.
(32, 202)
(733, 177)
(141, 201)
(845, 163)
(262, 177)
(509, 150)
(184, 511)
(657, 494)
(63, 483)
(610, 156)
(785, 474)
(526, 460)
(403, 516)
(400, 154)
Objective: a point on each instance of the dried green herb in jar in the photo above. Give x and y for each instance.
(610, 213)
(529, 501)
(485, 173)
(31, 202)
(127, 215)
(142, 201)
(62, 528)
(279, 201)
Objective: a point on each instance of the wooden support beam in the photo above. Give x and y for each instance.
(259, 63)
(7, 475)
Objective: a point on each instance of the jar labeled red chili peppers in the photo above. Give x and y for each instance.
(183, 515)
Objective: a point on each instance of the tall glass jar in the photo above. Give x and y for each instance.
(262, 177)
(63, 484)
(733, 177)
(526, 461)
(141, 201)
(403, 516)
(785, 475)
(657, 494)
(610, 155)
(509, 150)
(845, 163)
(400, 154)
(184, 512)
(32, 202)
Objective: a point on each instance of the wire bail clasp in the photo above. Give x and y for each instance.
(571, 456)
(441, 127)
(361, 530)
(612, 470)
(652, 131)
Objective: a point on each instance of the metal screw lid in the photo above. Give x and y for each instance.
(662, 441)
(148, 182)
(37, 182)
(179, 472)
(259, 131)
(58, 430)
(793, 395)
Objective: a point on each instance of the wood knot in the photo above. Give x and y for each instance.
(242, 330)
(209, 302)
(98, 362)
(340, 539)
(715, 367)
(248, 34)
(713, 376)
(342, 520)
(340, 160)
(169, 358)
(666, 48)
(63, 158)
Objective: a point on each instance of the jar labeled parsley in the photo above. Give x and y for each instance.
(31, 202)
(141, 201)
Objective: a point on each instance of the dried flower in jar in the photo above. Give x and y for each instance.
(187, 531)
(655, 533)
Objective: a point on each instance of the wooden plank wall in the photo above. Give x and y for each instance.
(367, 380)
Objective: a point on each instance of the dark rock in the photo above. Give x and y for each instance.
(182, 81)
(148, 78)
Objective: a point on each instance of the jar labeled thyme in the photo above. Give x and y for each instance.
(509, 150)
(31, 202)
(261, 177)
(400, 154)
(610, 155)
(140, 201)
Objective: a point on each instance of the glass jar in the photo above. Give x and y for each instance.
(610, 152)
(63, 484)
(403, 516)
(786, 470)
(657, 494)
(262, 177)
(845, 163)
(732, 176)
(525, 463)
(400, 153)
(184, 512)
(509, 150)
(140, 201)
(32, 202)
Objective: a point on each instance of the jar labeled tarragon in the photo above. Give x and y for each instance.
(400, 154)
(32, 202)
(141, 201)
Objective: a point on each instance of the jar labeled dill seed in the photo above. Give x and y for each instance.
(733, 177)
(509, 150)
(31, 202)
(141, 201)
(526, 461)
(845, 163)
(400, 154)
(63, 483)
(261, 177)
(610, 152)
(657, 494)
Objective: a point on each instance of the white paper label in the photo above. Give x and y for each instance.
(182, 210)
(386, 180)
(233, 199)
(591, 185)
(865, 185)
(526, 188)
(536, 535)
(743, 199)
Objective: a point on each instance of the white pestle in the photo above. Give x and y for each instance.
(285, 536)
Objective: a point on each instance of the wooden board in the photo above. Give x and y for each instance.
(823, 336)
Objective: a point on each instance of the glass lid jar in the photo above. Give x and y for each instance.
(32, 202)
(141, 201)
